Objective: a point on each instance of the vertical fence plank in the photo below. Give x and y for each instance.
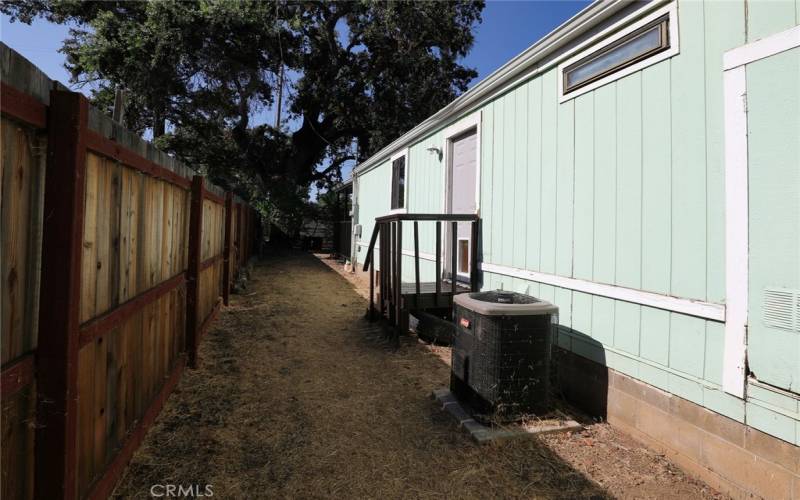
(88, 285)
(193, 270)
(115, 211)
(85, 459)
(226, 262)
(59, 318)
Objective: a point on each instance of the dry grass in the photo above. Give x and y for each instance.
(292, 400)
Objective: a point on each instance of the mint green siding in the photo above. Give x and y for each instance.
(624, 185)
(773, 97)
(373, 200)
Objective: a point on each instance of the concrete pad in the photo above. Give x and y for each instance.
(484, 434)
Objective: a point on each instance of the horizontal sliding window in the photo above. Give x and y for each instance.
(637, 46)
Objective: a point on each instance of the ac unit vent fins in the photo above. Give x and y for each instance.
(782, 308)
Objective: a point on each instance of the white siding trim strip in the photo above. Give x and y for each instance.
(736, 230)
(707, 310)
(700, 309)
(774, 44)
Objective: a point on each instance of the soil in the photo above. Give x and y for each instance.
(293, 400)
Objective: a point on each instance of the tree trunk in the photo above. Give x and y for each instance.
(158, 123)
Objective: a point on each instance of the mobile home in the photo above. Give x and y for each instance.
(640, 168)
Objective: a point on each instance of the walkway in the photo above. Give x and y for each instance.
(292, 400)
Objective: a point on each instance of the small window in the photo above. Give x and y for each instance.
(398, 182)
(638, 45)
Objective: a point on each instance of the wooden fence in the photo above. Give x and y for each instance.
(115, 260)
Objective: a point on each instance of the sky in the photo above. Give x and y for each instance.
(508, 28)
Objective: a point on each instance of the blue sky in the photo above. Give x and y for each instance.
(508, 28)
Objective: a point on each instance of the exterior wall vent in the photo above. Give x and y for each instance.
(782, 308)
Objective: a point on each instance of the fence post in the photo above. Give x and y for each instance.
(240, 232)
(59, 318)
(193, 268)
(226, 270)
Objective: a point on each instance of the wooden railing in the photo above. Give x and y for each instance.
(388, 234)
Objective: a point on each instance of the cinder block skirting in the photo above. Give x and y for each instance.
(731, 457)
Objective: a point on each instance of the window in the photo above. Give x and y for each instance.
(398, 182)
(644, 42)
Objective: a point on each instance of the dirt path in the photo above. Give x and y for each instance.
(292, 400)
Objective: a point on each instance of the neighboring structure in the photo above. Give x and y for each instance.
(640, 168)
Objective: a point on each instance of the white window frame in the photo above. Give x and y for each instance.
(611, 35)
(737, 200)
(403, 152)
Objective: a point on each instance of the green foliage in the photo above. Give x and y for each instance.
(198, 73)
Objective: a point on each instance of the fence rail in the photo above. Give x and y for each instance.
(115, 260)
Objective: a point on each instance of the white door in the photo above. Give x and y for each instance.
(462, 197)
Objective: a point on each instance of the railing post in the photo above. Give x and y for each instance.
(454, 256)
(416, 263)
(392, 267)
(438, 261)
(371, 315)
(473, 268)
(193, 269)
(226, 260)
(59, 320)
(382, 270)
(399, 275)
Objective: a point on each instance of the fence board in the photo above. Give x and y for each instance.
(85, 417)
(22, 172)
(17, 450)
(116, 297)
(103, 218)
(88, 297)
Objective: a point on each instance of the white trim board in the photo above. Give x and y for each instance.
(700, 309)
(736, 231)
(766, 47)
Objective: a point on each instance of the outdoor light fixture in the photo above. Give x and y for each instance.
(436, 150)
